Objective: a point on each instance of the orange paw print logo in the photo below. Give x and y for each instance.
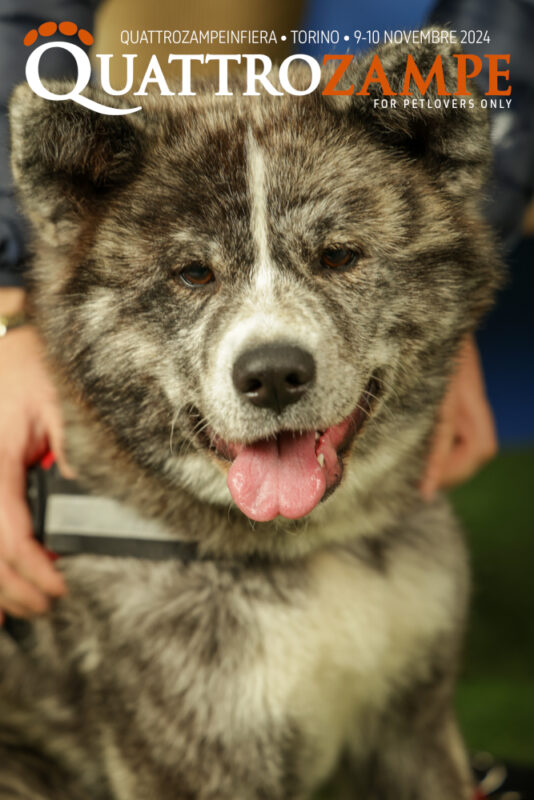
(66, 28)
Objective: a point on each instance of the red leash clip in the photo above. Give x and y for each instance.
(48, 460)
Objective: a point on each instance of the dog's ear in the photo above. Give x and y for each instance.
(65, 157)
(447, 133)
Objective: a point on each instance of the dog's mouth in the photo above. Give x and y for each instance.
(290, 473)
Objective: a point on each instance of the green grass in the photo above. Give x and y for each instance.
(496, 693)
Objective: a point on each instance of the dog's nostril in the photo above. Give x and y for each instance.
(253, 385)
(274, 376)
(294, 380)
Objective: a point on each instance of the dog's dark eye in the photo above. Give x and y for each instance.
(338, 258)
(196, 275)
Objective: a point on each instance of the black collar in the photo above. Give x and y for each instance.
(70, 522)
(65, 544)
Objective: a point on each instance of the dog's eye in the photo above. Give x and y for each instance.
(196, 275)
(338, 258)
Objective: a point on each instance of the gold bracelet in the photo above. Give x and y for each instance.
(10, 321)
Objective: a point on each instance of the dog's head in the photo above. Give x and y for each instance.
(258, 292)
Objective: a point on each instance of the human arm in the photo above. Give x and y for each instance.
(465, 437)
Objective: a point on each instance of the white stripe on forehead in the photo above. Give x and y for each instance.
(257, 184)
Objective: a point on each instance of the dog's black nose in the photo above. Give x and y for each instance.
(274, 375)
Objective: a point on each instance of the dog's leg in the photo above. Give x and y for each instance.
(431, 764)
(417, 762)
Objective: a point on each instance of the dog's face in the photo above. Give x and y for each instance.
(240, 290)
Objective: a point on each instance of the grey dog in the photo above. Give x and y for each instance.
(252, 307)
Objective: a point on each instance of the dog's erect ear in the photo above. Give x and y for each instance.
(448, 133)
(65, 156)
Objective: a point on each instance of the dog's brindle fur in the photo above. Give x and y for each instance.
(291, 646)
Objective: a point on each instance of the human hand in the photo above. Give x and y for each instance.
(465, 437)
(30, 424)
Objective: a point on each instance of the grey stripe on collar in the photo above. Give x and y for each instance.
(81, 523)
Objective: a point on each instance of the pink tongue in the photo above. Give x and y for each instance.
(278, 476)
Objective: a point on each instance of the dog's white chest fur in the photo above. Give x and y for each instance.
(317, 648)
(342, 647)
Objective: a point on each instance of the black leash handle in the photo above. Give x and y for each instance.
(36, 494)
